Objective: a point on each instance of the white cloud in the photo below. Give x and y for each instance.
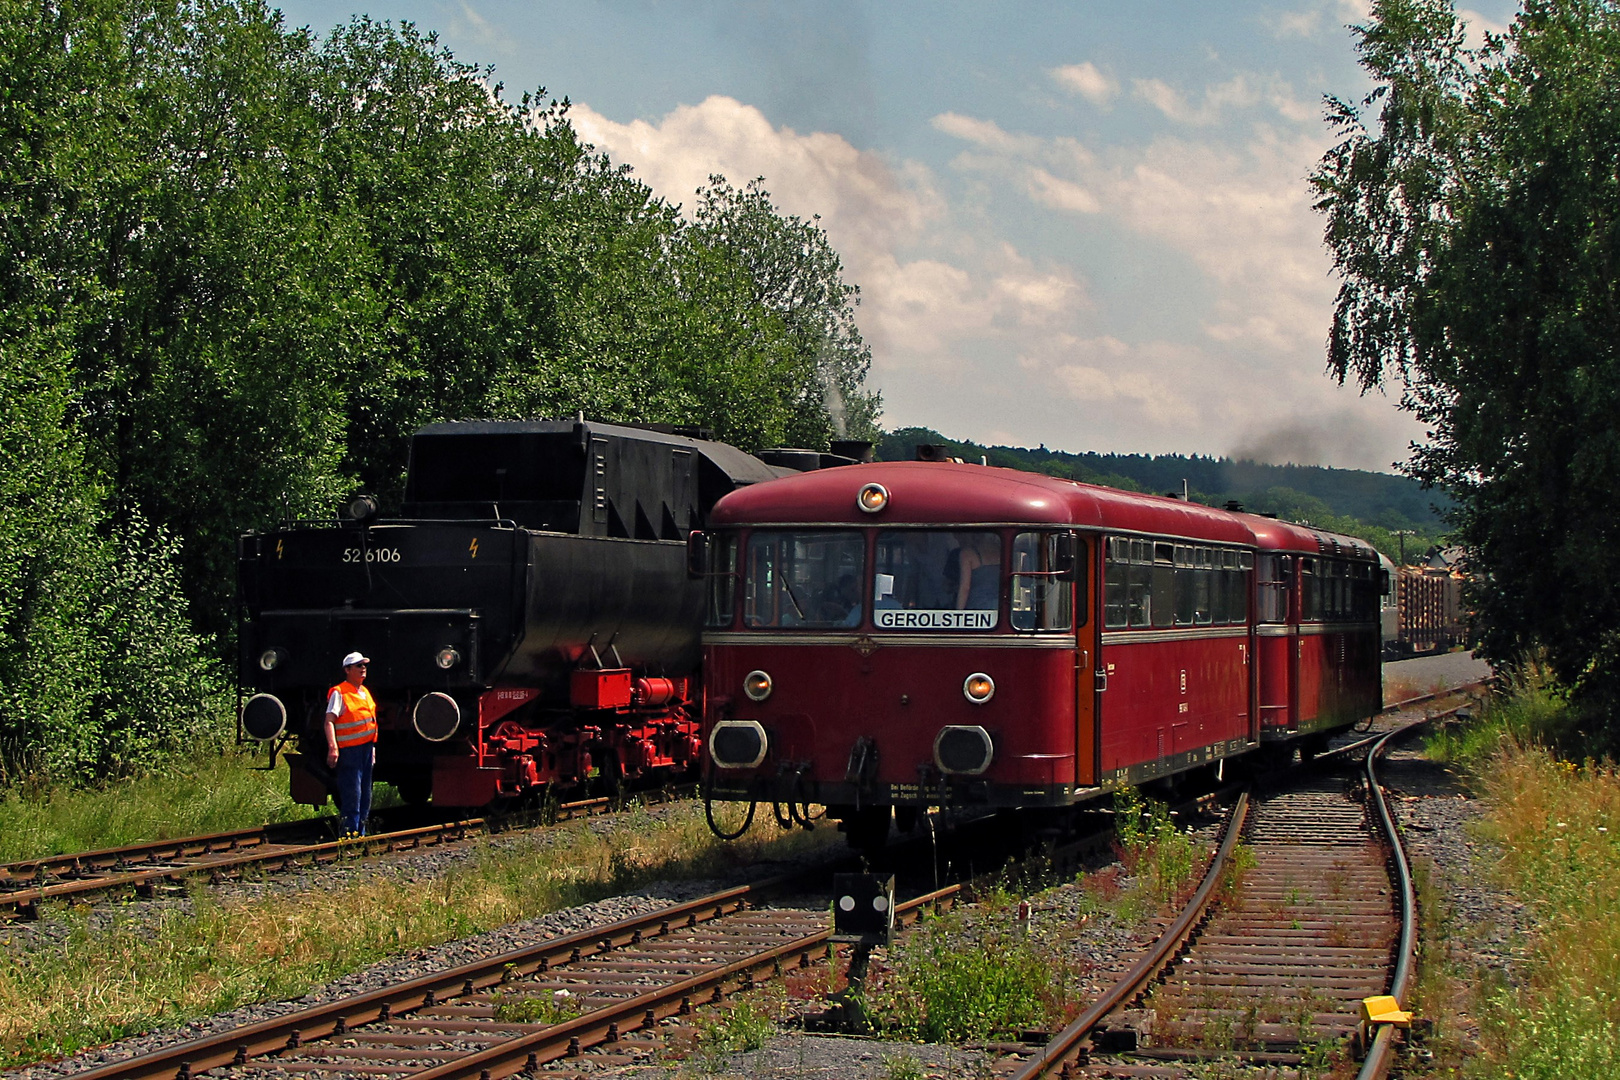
(1294, 24)
(1087, 81)
(465, 21)
(1060, 194)
(867, 205)
(970, 335)
(916, 311)
(1242, 91)
(985, 133)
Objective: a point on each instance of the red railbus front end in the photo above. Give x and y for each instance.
(854, 667)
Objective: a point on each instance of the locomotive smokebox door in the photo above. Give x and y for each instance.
(863, 908)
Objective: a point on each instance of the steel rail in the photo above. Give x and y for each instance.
(527, 1052)
(270, 856)
(537, 1043)
(222, 855)
(1406, 703)
(317, 1021)
(1063, 1046)
(1377, 1062)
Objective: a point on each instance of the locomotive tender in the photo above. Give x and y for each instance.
(530, 617)
(888, 637)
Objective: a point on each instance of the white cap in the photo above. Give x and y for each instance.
(355, 658)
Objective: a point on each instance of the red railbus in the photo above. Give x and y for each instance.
(888, 637)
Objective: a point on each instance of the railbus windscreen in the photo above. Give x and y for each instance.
(936, 579)
(805, 579)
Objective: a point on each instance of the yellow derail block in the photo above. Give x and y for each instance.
(1384, 1010)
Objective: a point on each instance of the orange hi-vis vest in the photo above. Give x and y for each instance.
(356, 725)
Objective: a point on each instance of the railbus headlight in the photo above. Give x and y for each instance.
(978, 688)
(757, 685)
(446, 658)
(738, 744)
(872, 498)
(963, 749)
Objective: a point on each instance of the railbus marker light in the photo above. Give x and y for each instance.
(270, 659)
(757, 685)
(978, 688)
(872, 498)
(447, 658)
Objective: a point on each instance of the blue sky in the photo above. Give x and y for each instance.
(1078, 224)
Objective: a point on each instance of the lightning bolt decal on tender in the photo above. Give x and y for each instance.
(473, 547)
(278, 549)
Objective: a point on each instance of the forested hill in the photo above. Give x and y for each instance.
(1298, 492)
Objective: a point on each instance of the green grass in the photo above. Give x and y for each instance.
(1533, 713)
(1557, 828)
(60, 997)
(211, 792)
(969, 974)
(518, 1007)
(1167, 860)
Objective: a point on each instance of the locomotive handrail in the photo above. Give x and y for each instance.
(326, 523)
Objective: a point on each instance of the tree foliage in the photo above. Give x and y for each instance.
(1476, 229)
(244, 263)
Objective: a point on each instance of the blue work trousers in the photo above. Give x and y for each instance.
(354, 766)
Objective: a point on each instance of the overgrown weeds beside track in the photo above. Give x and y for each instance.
(59, 994)
(1551, 843)
(207, 793)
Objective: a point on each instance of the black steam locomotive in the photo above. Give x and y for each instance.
(529, 618)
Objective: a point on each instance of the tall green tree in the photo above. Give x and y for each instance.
(243, 264)
(796, 274)
(1476, 227)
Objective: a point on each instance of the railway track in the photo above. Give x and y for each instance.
(1274, 973)
(509, 1014)
(613, 994)
(147, 869)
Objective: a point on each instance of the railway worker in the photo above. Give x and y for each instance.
(351, 743)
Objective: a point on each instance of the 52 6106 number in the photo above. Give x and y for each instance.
(371, 555)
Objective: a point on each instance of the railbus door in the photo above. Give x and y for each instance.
(1087, 661)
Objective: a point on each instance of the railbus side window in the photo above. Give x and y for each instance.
(1164, 584)
(1139, 602)
(1273, 573)
(1040, 599)
(1310, 592)
(1184, 589)
(1116, 571)
(722, 605)
(1203, 573)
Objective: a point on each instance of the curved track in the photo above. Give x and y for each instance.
(1274, 972)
